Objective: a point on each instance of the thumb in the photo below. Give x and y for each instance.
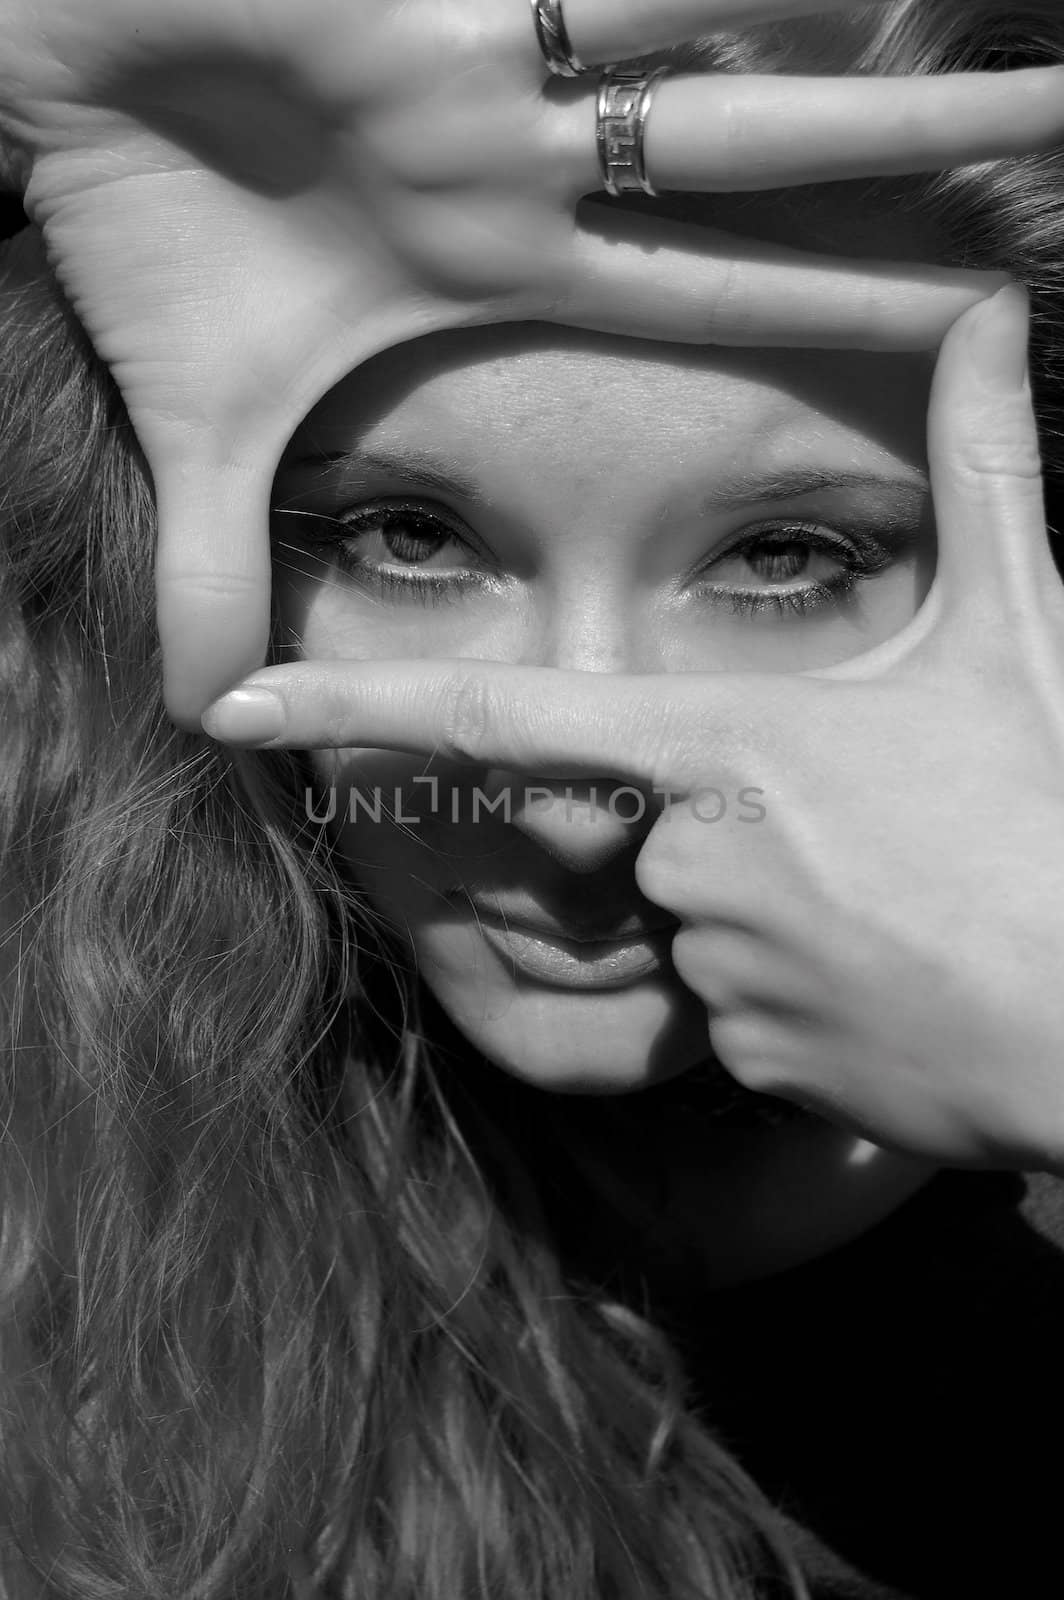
(996, 584)
(212, 572)
(986, 470)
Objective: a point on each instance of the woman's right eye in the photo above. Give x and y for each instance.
(395, 530)
(383, 543)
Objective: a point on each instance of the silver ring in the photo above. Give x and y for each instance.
(623, 106)
(553, 39)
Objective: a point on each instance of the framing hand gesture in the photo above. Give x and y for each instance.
(246, 199)
(885, 946)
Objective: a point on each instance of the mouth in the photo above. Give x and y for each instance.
(573, 927)
(564, 962)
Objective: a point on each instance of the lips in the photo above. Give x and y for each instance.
(531, 916)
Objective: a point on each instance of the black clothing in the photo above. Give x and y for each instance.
(902, 1398)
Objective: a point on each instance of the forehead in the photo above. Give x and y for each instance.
(501, 395)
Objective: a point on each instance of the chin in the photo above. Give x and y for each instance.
(601, 1043)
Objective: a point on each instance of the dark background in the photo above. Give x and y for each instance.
(12, 216)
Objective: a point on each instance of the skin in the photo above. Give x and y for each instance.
(179, 157)
(590, 564)
(600, 468)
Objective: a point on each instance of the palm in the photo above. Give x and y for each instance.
(178, 218)
(237, 227)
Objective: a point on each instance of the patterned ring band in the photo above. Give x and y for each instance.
(623, 105)
(554, 39)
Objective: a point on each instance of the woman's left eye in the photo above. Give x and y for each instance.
(791, 569)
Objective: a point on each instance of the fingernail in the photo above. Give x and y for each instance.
(999, 337)
(245, 716)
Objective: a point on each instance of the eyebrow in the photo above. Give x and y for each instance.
(788, 483)
(733, 488)
(426, 471)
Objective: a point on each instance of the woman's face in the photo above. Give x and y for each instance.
(547, 497)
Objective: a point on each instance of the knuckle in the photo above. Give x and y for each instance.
(467, 717)
(981, 466)
(915, 118)
(875, 308)
(730, 309)
(709, 961)
(334, 716)
(738, 1042)
(193, 589)
(659, 869)
(734, 142)
(676, 740)
(991, 453)
(474, 249)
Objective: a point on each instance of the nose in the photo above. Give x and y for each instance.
(582, 824)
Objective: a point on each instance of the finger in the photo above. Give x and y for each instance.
(718, 132)
(212, 580)
(602, 31)
(651, 278)
(986, 470)
(676, 730)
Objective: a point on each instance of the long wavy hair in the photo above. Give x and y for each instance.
(289, 1304)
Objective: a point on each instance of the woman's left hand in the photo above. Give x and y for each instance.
(886, 946)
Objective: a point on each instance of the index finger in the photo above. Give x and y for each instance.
(666, 729)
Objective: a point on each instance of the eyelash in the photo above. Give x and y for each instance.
(863, 554)
(429, 589)
(865, 558)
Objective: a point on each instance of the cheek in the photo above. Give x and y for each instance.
(394, 819)
(332, 617)
(374, 788)
(359, 798)
(297, 598)
(718, 639)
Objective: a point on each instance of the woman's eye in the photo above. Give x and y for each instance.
(384, 544)
(791, 569)
(787, 569)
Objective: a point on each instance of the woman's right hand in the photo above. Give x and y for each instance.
(246, 199)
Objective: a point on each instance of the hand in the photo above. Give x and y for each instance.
(246, 199)
(885, 946)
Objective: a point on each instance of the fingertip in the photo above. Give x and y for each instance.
(213, 627)
(194, 678)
